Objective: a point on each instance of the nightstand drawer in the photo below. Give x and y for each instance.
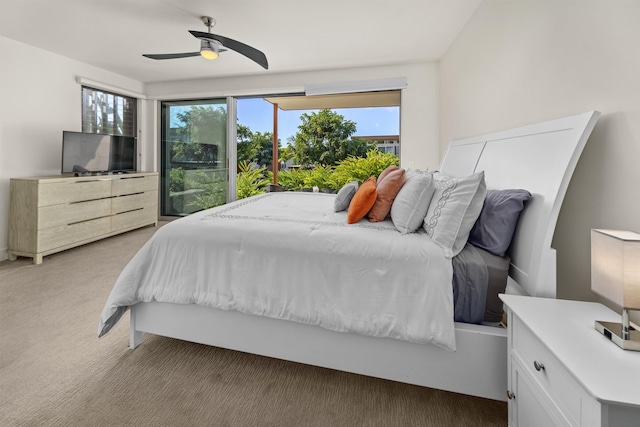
(534, 402)
(544, 368)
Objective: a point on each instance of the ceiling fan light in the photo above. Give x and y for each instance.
(209, 50)
(208, 54)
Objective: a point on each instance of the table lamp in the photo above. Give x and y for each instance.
(615, 275)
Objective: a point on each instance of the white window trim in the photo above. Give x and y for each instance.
(331, 88)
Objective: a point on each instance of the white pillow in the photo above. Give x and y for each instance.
(410, 205)
(454, 208)
(413, 172)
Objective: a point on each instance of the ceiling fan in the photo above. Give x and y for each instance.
(212, 44)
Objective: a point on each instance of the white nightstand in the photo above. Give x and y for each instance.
(562, 371)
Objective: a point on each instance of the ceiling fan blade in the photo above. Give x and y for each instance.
(250, 52)
(170, 55)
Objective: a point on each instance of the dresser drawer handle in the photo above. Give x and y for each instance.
(510, 395)
(539, 366)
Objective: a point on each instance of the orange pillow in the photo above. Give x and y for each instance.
(387, 171)
(362, 201)
(387, 190)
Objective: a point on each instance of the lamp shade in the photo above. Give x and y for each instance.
(615, 266)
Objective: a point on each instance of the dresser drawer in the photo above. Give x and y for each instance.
(134, 184)
(544, 368)
(133, 201)
(55, 215)
(73, 191)
(57, 237)
(133, 219)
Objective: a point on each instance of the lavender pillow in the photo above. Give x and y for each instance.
(497, 222)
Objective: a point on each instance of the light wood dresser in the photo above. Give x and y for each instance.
(51, 214)
(562, 372)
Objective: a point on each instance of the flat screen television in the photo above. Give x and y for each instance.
(87, 153)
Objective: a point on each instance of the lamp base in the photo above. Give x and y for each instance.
(613, 331)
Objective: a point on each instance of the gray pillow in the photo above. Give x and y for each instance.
(453, 210)
(498, 219)
(344, 196)
(411, 204)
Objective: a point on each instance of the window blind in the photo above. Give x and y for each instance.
(109, 113)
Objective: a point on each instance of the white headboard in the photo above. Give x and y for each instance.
(539, 158)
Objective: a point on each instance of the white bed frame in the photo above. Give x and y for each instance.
(540, 158)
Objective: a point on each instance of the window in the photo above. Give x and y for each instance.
(193, 160)
(109, 113)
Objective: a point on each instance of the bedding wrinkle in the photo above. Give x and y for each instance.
(470, 285)
(290, 256)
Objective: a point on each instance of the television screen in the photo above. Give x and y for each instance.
(123, 153)
(93, 153)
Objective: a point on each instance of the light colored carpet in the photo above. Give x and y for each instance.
(54, 371)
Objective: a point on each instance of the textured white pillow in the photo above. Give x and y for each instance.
(344, 196)
(413, 172)
(410, 205)
(454, 209)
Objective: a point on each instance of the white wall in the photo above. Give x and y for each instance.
(519, 62)
(39, 98)
(419, 110)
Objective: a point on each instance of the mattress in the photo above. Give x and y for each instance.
(290, 256)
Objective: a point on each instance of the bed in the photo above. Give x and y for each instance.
(166, 287)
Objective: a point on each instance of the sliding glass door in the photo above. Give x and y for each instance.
(194, 173)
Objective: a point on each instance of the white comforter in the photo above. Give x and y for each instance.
(289, 256)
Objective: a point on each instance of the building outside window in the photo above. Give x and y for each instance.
(108, 113)
(385, 143)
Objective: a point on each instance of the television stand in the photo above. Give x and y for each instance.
(52, 214)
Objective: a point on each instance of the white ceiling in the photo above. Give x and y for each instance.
(295, 35)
